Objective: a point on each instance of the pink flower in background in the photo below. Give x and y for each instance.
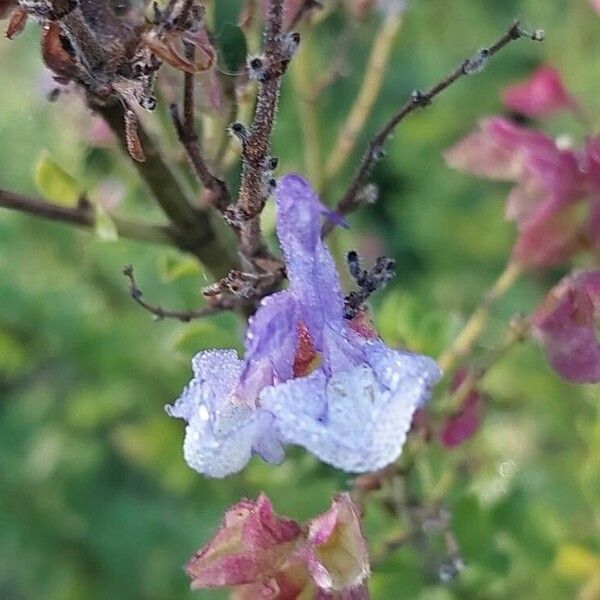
(261, 555)
(566, 325)
(551, 183)
(544, 93)
(596, 5)
(464, 423)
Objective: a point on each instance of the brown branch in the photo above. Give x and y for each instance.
(418, 99)
(192, 223)
(162, 313)
(218, 193)
(255, 151)
(83, 216)
(219, 196)
(188, 95)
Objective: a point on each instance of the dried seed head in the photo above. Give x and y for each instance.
(369, 194)
(256, 68)
(238, 130)
(289, 44)
(368, 281)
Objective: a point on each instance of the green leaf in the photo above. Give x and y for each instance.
(232, 48)
(104, 226)
(54, 183)
(12, 354)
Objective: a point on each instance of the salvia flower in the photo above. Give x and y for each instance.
(543, 94)
(555, 200)
(261, 555)
(566, 325)
(310, 377)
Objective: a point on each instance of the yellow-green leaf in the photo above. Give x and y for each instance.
(575, 562)
(54, 183)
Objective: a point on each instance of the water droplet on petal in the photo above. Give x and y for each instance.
(203, 413)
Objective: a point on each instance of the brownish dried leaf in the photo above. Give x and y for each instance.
(134, 145)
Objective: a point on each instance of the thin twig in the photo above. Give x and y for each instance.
(83, 216)
(219, 196)
(219, 193)
(418, 99)
(245, 103)
(188, 93)
(162, 313)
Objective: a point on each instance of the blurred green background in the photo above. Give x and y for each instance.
(95, 499)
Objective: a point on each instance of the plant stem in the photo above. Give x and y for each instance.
(83, 216)
(185, 316)
(367, 95)
(463, 343)
(193, 224)
(374, 152)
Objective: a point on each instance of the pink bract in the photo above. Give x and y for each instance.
(261, 555)
(566, 326)
(463, 424)
(542, 94)
(552, 183)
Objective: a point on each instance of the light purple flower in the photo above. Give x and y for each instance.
(353, 411)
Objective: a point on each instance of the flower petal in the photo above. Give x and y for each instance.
(222, 435)
(338, 557)
(313, 277)
(356, 420)
(498, 150)
(272, 335)
(220, 455)
(251, 543)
